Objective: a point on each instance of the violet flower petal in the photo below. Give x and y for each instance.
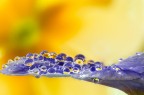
(127, 75)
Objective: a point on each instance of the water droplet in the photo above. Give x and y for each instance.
(61, 56)
(68, 64)
(98, 64)
(40, 57)
(5, 66)
(138, 53)
(116, 68)
(69, 59)
(43, 52)
(77, 66)
(10, 61)
(75, 70)
(43, 68)
(96, 80)
(93, 69)
(46, 55)
(120, 59)
(71, 69)
(51, 70)
(29, 55)
(37, 76)
(36, 71)
(16, 58)
(52, 55)
(60, 63)
(80, 56)
(29, 62)
(35, 55)
(90, 62)
(66, 71)
(98, 68)
(79, 61)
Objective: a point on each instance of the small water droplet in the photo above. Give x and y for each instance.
(120, 59)
(46, 55)
(96, 80)
(28, 62)
(79, 61)
(75, 70)
(40, 57)
(116, 68)
(93, 69)
(90, 62)
(80, 56)
(138, 53)
(69, 59)
(66, 71)
(43, 68)
(16, 58)
(51, 70)
(61, 56)
(52, 55)
(10, 61)
(43, 52)
(37, 76)
(5, 66)
(36, 72)
(98, 68)
(29, 55)
(98, 64)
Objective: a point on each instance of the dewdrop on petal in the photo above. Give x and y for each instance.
(96, 80)
(127, 75)
(16, 58)
(10, 61)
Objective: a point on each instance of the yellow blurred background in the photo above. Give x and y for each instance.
(103, 30)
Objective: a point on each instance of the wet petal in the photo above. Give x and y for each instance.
(127, 75)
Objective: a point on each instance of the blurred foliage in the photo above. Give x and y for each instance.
(104, 30)
(25, 34)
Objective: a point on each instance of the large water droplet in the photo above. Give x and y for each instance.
(80, 56)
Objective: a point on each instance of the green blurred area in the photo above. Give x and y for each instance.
(25, 34)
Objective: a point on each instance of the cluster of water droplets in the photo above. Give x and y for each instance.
(50, 64)
(56, 65)
(127, 74)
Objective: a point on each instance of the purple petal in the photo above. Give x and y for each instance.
(127, 75)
